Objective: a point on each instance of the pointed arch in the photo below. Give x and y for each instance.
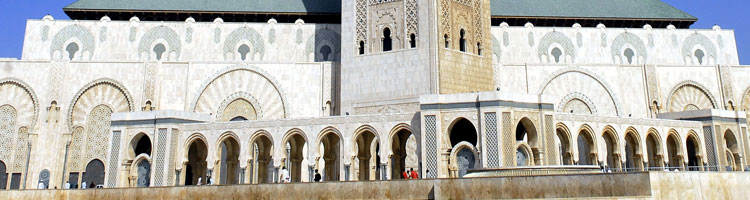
(245, 36)
(73, 34)
(627, 40)
(252, 80)
(674, 149)
(21, 97)
(555, 38)
(587, 146)
(688, 95)
(607, 88)
(746, 100)
(118, 99)
(565, 149)
(160, 35)
(654, 149)
(612, 142)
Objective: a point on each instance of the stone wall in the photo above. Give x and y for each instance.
(653, 185)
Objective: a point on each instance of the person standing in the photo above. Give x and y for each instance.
(284, 176)
(199, 181)
(404, 175)
(40, 186)
(67, 185)
(317, 176)
(414, 174)
(83, 185)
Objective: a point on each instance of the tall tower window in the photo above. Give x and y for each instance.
(446, 41)
(479, 48)
(413, 40)
(361, 47)
(387, 43)
(462, 41)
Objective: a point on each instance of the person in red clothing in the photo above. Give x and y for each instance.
(404, 175)
(414, 174)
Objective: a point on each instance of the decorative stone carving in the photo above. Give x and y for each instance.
(697, 49)
(551, 44)
(493, 160)
(8, 117)
(508, 149)
(726, 85)
(361, 21)
(101, 91)
(577, 103)
(652, 86)
(158, 35)
(97, 133)
(114, 158)
(317, 45)
(431, 145)
(161, 150)
(597, 78)
(240, 104)
(22, 99)
(74, 39)
(241, 78)
(412, 17)
(234, 41)
(690, 95)
(628, 48)
(496, 48)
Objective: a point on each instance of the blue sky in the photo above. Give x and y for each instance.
(729, 14)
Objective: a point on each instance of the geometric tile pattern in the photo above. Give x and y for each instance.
(161, 148)
(493, 160)
(114, 159)
(431, 145)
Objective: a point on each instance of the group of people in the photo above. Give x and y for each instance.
(84, 185)
(411, 174)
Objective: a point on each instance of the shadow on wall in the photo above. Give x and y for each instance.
(325, 45)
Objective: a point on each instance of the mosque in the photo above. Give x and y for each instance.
(146, 93)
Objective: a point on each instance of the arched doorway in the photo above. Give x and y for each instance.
(732, 152)
(465, 158)
(143, 171)
(652, 149)
(673, 152)
(229, 154)
(463, 130)
(94, 174)
(463, 139)
(526, 144)
(195, 169)
(295, 155)
(403, 147)
(633, 160)
(3, 176)
(262, 153)
(562, 142)
(693, 151)
(330, 149)
(140, 156)
(367, 150)
(141, 144)
(610, 141)
(586, 148)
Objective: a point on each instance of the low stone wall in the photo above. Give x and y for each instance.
(700, 185)
(647, 185)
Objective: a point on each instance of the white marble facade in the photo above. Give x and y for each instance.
(176, 82)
